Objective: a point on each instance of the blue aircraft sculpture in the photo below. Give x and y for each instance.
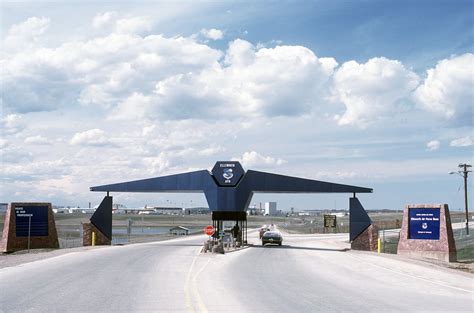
(229, 189)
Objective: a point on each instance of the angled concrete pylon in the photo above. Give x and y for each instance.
(102, 217)
(363, 234)
(358, 218)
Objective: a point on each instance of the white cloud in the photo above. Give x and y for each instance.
(157, 165)
(12, 153)
(3, 143)
(213, 33)
(92, 137)
(372, 90)
(25, 35)
(339, 175)
(35, 170)
(102, 71)
(134, 25)
(148, 130)
(433, 145)
(135, 106)
(382, 170)
(12, 124)
(37, 140)
(462, 142)
(253, 159)
(448, 90)
(166, 78)
(104, 19)
(283, 81)
(240, 53)
(211, 150)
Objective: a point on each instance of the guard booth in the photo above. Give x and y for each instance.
(238, 218)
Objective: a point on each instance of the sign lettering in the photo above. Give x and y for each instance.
(424, 223)
(330, 220)
(32, 219)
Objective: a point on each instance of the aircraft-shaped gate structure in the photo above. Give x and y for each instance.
(228, 190)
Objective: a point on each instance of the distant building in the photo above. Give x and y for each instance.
(168, 211)
(197, 210)
(179, 231)
(256, 210)
(146, 212)
(271, 208)
(3, 207)
(252, 211)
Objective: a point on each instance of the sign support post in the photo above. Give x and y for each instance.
(29, 231)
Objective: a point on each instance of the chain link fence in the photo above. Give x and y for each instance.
(70, 236)
(464, 243)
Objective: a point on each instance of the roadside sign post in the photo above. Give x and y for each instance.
(29, 231)
(129, 228)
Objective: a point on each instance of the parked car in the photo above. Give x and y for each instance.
(272, 237)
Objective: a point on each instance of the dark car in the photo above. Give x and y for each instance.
(272, 237)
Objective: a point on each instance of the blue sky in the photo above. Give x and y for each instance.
(371, 93)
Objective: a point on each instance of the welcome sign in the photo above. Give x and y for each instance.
(424, 223)
(29, 225)
(31, 220)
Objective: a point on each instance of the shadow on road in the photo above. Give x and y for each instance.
(299, 248)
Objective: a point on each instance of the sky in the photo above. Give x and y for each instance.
(376, 94)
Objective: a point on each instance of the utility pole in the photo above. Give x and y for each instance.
(464, 172)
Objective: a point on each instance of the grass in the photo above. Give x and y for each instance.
(68, 226)
(466, 254)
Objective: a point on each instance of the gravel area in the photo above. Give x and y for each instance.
(21, 257)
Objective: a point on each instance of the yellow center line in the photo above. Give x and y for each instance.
(202, 306)
(191, 291)
(187, 294)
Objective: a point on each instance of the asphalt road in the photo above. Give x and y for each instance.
(307, 274)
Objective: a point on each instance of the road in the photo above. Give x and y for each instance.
(309, 273)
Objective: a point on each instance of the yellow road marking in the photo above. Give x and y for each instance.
(191, 291)
(202, 307)
(187, 294)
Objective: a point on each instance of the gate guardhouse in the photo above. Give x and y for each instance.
(228, 190)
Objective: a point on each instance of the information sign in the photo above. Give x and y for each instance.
(32, 220)
(329, 221)
(424, 223)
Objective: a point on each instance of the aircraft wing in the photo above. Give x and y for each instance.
(273, 183)
(196, 181)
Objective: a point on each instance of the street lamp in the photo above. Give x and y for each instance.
(463, 173)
